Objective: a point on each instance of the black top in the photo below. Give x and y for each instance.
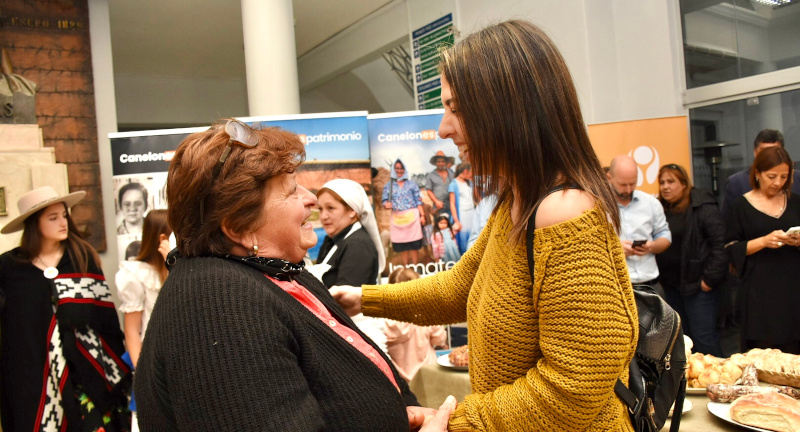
(227, 349)
(355, 262)
(697, 251)
(90, 338)
(770, 277)
(669, 261)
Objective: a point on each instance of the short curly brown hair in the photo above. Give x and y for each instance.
(235, 196)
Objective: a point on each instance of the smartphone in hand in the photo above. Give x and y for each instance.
(638, 243)
(793, 230)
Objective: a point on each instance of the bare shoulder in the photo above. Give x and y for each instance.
(562, 206)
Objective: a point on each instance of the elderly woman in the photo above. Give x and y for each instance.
(545, 349)
(61, 342)
(242, 337)
(352, 253)
(766, 258)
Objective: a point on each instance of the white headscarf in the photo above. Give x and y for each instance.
(353, 194)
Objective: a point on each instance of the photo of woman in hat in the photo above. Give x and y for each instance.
(58, 318)
(402, 196)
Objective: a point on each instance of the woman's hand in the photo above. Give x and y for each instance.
(704, 286)
(431, 420)
(777, 239)
(387, 205)
(164, 248)
(456, 226)
(348, 297)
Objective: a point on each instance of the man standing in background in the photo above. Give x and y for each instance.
(643, 227)
(739, 183)
(437, 182)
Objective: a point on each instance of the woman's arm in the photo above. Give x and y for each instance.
(133, 335)
(434, 300)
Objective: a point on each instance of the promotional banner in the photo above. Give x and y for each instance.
(406, 149)
(337, 146)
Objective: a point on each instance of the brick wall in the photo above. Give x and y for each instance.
(48, 43)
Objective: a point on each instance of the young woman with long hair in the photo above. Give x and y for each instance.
(512, 109)
(59, 319)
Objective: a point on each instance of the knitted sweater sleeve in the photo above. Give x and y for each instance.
(433, 300)
(587, 336)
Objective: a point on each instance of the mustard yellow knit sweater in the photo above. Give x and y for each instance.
(542, 357)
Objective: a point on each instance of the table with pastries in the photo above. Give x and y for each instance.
(433, 383)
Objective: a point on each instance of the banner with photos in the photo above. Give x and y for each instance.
(337, 146)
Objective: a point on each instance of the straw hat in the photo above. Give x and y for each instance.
(36, 200)
(440, 154)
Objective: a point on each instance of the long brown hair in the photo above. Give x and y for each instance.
(79, 250)
(155, 224)
(683, 203)
(770, 158)
(521, 116)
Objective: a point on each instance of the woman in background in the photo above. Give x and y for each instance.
(352, 253)
(462, 201)
(402, 197)
(695, 264)
(138, 284)
(61, 342)
(766, 258)
(410, 346)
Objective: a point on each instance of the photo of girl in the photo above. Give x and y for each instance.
(443, 239)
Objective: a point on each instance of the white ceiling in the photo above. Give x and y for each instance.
(203, 38)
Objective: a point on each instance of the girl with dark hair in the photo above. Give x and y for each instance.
(694, 265)
(512, 109)
(765, 257)
(59, 319)
(139, 282)
(443, 239)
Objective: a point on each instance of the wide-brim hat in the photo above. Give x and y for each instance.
(36, 200)
(440, 154)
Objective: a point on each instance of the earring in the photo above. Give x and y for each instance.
(255, 250)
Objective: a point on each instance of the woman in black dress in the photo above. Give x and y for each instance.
(61, 341)
(767, 259)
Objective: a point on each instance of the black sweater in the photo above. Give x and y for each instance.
(227, 349)
(355, 261)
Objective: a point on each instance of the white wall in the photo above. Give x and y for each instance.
(623, 54)
(160, 100)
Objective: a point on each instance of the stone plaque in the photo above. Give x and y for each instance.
(19, 108)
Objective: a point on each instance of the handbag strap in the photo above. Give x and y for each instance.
(532, 222)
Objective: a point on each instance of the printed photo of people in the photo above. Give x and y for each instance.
(134, 196)
(414, 183)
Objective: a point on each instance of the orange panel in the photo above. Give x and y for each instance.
(652, 143)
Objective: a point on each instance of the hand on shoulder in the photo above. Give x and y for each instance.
(562, 206)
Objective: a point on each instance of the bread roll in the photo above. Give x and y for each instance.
(771, 411)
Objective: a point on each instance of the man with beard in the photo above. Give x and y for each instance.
(644, 231)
